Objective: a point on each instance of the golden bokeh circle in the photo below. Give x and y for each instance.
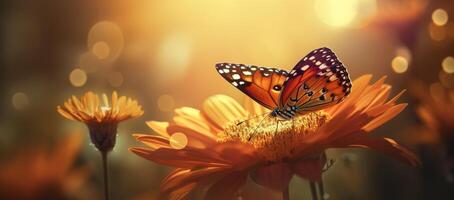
(78, 77)
(448, 64)
(440, 17)
(178, 140)
(105, 40)
(399, 64)
(336, 13)
(166, 103)
(19, 100)
(101, 50)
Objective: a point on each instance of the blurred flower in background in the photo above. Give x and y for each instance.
(100, 116)
(436, 105)
(102, 119)
(208, 146)
(39, 173)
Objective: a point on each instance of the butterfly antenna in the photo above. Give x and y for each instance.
(255, 130)
(252, 118)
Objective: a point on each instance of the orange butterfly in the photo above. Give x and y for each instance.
(318, 81)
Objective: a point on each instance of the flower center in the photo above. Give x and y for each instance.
(273, 138)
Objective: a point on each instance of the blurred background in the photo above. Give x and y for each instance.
(162, 53)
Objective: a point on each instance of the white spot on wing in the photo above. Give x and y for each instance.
(236, 76)
(305, 67)
(247, 73)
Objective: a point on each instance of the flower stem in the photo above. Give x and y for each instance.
(286, 194)
(313, 191)
(321, 190)
(106, 176)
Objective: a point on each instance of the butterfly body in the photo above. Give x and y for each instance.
(317, 81)
(285, 113)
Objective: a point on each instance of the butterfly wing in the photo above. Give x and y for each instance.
(260, 83)
(318, 81)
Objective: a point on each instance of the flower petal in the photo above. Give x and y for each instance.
(227, 187)
(182, 177)
(221, 109)
(384, 145)
(153, 141)
(179, 157)
(310, 169)
(191, 118)
(385, 117)
(159, 127)
(275, 176)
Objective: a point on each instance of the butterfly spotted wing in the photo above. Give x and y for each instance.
(260, 83)
(318, 81)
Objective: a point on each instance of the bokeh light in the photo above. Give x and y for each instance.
(20, 100)
(448, 64)
(166, 103)
(105, 40)
(78, 77)
(344, 13)
(116, 79)
(335, 12)
(174, 55)
(403, 51)
(101, 50)
(178, 140)
(440, 17)
(399, 64)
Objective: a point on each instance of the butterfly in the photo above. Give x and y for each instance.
(319, 80)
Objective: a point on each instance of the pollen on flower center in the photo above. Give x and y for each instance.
(274, 139)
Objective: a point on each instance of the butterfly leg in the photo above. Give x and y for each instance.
(255, 130)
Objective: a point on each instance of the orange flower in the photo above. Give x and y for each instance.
(219, 152)
(101, 119)
(37, 174)
(435, 110)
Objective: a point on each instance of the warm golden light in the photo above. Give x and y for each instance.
(448, 64)
(105, 40)
(336, 13)
(174, 55)
(89, 62)
(403, 51)
(447, 80)
(166, 103)
(399, 64)
(436, 89)
(116, 79)
(440, 17)
(20, 100)
(437, 33)
(101, 50)
(178, 141)
(78, 77)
